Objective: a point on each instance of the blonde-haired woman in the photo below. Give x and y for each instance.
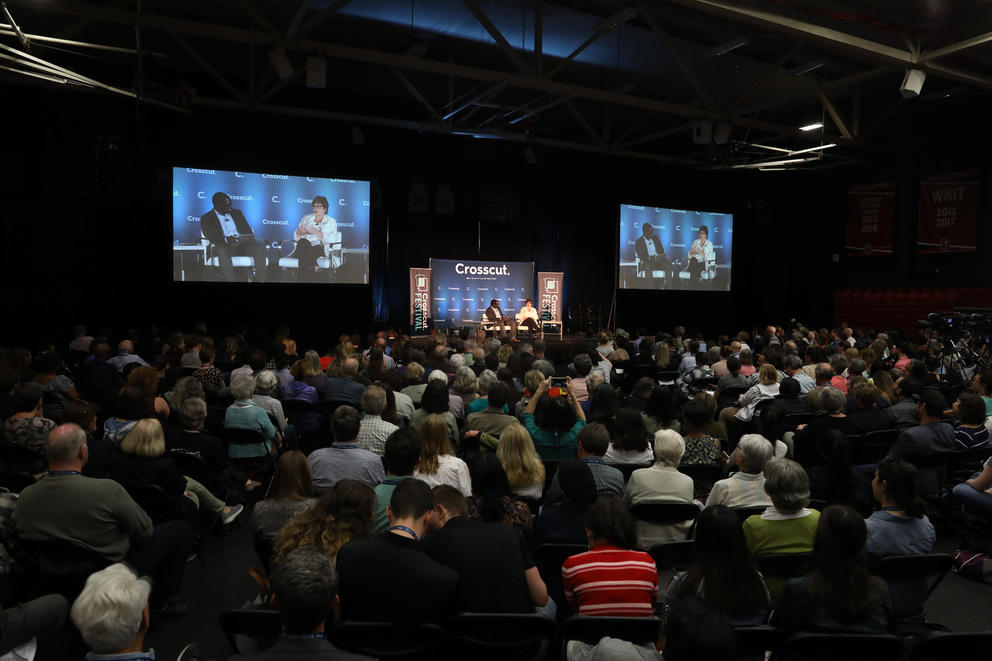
(141, 464)
(438, 463)
(523, 466)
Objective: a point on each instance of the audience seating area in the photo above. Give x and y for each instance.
(628, 385)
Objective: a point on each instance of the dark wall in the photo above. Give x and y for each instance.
(87, 228)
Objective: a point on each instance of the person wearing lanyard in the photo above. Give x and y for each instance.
(305, 590)
(112, 615)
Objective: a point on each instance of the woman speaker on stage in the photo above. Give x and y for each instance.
(528, 318)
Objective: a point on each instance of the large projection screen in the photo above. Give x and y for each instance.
(265, 212)
(674, 249)
(464, 288)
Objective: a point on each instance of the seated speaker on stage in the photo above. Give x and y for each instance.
(702, 259)
(501, 321)
(651, 258)
(528, 317)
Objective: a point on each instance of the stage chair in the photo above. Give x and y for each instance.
(331, 261)
(847, 646)
(494, 636)
(237, 261)
(642, 272)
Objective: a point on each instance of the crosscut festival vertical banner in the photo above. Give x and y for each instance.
(948, 220)
(420, 300)
(869, 226)
(549, 292)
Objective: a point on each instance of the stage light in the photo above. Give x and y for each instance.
(811, 127)
(728, 46)
(912, 84)
(722, 133)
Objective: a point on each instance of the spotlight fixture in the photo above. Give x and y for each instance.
(803, 69)
(281, 63)
(811, 127)
(912, 84)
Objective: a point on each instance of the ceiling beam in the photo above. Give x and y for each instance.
(687, 71)
(209, 68)
(950, 49)
(833, 39)
(494, 32)
(835, 116)
(256, 38)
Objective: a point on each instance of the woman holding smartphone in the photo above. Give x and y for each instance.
(554, 418)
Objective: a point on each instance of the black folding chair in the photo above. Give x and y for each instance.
(667, 377)
(192, 464)
(261, 627)
(664, 513)
(753, 642)
(745, 512)
(22, 459)
(61, 565)
(793, 420)
(14, 481)
(628, 469)
(912, 579)
(728, 397)
(390, 641)
(549, 559)
(674, 555)
(946, 646)
(590, 629)
(846, 646)
(783, 565)
(497, 636)
(874, 446)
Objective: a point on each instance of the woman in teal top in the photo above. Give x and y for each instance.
(554, 418)
(245, 414)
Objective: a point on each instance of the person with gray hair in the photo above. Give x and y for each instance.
(184, 389)
(246, 414)
(192, 439)
(492, 345)
(812, 444)
(101, 516)
(544, 367)
(305, 590)
(746, 487)
(266, 388)
(787, 526)
(125, 356)
(374, 431)
(112, 613)
(661, 481)
(466, 384)
(794, 368)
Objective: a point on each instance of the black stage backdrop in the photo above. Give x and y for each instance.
(86, 225)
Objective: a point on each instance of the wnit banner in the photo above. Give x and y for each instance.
(870, 214)
(948, 220)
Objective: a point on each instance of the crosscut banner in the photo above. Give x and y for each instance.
(870, 219)
(462, 289)
(948, 220)
(549, 294)
(420, 300)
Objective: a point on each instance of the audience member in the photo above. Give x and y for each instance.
(838, 594)
(189, 437)
(866, 416)
(660, 411)
(438, 463)
(100, 515)
(28, 426)
(345, 388)
(389, 577)
(629, 444)
(492, 419)
(246, 414)
(496, 573)
(722, 572)
(746, 487)
(57, 389)
(305, 590)
(435, 402)
(341, 514)
(344, 459)
(112, 614)
(400, 456)
(903, 412)
(927, 443)
(373, 431)
(565, 522)
(524, 470)
(491, 497)
(696, 631)
(812, 441)
(290, 494)
(661, 482)
(611, 578)
(553, 423)
(592, 444)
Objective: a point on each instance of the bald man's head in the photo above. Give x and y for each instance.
(350, 367)
(65, 444)
(126, 346)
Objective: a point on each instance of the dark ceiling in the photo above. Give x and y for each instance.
(636, 79)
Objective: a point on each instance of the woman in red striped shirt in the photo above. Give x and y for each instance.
(611, 578)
